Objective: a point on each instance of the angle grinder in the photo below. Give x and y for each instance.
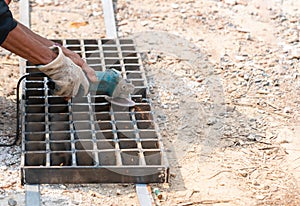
(111, 83)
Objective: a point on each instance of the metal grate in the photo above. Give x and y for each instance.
(85, 139)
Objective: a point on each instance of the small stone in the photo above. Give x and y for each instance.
(144, 23)
(242, 2)
(76, 202)
(246, 76)
(230, 2)
(261, 91)
(118, 192)
(251, 137)
(192, 149)
(162, 117)
(40, 2)
(96, 13)
(172, 174)
(12, 202)
(62, 186)
(248, 36)
(240, 57)
(260, 197)
(175, 6)
(48, 2)
(56, 3)
(293, 36)
(293, 20)
(295, 54)
(165, 106)
(211, 121)
(287, 110)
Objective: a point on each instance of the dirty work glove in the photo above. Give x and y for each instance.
(66, 75)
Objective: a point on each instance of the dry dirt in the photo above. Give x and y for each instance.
(224, 80)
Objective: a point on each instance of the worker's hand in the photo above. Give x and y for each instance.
(66, 74)
(90, 73)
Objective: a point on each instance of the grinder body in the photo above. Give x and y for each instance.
(117, 89)
(107, 82)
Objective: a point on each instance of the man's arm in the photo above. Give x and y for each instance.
(72, 55)
(24, 45)
(65, 72)
(62, 70)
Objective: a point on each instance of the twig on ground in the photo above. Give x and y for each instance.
(219, 173)
(8, 185)
(260, 107)
(204, 202)
(267, 148)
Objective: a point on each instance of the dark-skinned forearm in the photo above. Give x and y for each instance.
(38, 51)
(27, 46)
(35, 36)
(72, 55)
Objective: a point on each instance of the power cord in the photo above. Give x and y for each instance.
(36, 74)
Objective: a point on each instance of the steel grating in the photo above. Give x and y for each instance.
(85, 139)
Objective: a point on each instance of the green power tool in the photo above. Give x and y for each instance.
(117, 89)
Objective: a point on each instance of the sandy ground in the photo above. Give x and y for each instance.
(224, 82)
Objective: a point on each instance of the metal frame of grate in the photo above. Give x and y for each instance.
(85, 139)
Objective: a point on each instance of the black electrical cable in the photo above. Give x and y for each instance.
(37, 74)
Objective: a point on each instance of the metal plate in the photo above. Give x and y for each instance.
(85, 139)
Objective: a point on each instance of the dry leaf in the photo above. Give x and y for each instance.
(78, 24)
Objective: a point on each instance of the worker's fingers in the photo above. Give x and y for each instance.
(90, 73)
(73, 56)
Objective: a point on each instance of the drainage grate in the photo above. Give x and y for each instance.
(85, 139)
